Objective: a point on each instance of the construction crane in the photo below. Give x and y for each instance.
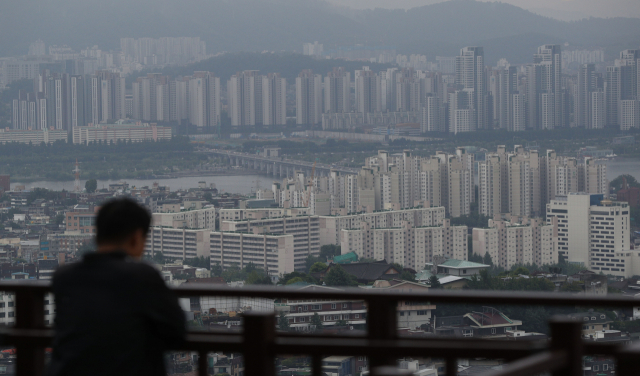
(310, 185)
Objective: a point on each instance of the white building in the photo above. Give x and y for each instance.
(272, 253)
(411, 247)
(332, 226)
(177, 244)
(190, 219)
(108, 133)
(35, 137)
(308, 98)
(594, 232)
(512, 242)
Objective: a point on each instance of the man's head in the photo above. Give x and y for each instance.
(122, 225)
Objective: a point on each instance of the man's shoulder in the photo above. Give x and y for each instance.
(124, 268)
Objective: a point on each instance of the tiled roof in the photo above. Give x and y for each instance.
(369, 271)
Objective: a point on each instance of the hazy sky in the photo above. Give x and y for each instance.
(561, 9)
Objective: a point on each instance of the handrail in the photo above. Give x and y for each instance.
(260, 343)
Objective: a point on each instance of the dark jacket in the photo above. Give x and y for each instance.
(114, 316)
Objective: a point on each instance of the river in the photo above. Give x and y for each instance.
(247, 183)
(233, 184)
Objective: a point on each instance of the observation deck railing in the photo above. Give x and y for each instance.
(260, 343)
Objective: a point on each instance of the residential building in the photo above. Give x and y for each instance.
(34, 137)
(331, 226)
(470, 74)
(83, 222)
(274, 99)
(331, 311)
(203, 102)
(245, 95)
(337, 91)
(112, 133)
(412, 247)
(273, 253)
(509, 243)
(308, 98)
(305, 230)
(592, 321)
(412, 315)
(490, 323)
(191, 219)
(177, 244)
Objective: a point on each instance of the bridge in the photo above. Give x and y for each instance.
(277, 166)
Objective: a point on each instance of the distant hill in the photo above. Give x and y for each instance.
(277, 25)
(289, 65)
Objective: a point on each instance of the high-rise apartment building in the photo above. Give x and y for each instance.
(151, 98)
(244, 93)
(470, 74)
(337, 91)
(367, 92)
(308, 98)
(274, 99)
(409, 246)
(433, 115)
(204, 99)
(516, 241)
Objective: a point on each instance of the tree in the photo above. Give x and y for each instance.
(318, 267)
(342, 323)
(198, 262)
(407, 276)
(91, 185)
(328, 251)
(294, 280)
(283, 322)
(520, 270)
(571, 287)
(317, 322)
(299, 276)
(310, 261)
(434, 283)
(337, 276)
(487, 259)
(258, 278)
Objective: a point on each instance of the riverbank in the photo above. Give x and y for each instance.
(176, 175)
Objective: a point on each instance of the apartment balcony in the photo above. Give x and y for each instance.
(260, 342)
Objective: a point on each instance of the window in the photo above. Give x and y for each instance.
(344, 305)
(336, 317)
(359, 368)
(333, 306)
(493, 330)
(402, 313)
(316, 307)
(593, 318)
(2, 314)
(360, 358)
(306, 308)
(10, 304)
(586, 319)
(605, 367)
(303, 319)
(423, 313)
(357, 316)
(467, 332)
(11, 314)
(602, 316)
(596, 368)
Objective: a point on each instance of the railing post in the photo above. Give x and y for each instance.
(382, 324)
(259, 336)
(566, 335)
(29, 312)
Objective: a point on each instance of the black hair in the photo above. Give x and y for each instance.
(120, 218)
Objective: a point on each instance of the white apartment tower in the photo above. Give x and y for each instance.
(274, 99)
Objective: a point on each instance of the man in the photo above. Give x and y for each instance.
(114, 314)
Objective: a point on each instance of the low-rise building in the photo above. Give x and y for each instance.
(331, 311)
(592, 321)
(411, 314)
(490, 323)
(111, 133)
(34, 137)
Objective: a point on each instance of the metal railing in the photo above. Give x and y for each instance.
(260, 343)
